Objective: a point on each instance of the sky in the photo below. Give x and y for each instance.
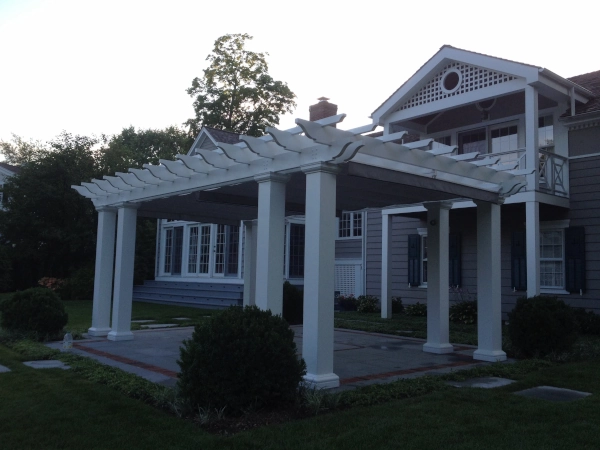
(93, 68)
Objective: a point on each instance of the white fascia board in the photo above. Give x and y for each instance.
(408, 209)
(448, 103)
(7, 173)
(199, 138)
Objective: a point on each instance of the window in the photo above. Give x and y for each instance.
(350, 225)
(168, 249)
(424, 260)
(552, 258)
(545, 131)
(296, 251)
(472, 141)
(504, 139)
(418, 270)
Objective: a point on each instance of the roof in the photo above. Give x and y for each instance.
(591, 82)
(226, 137)
(14, 169)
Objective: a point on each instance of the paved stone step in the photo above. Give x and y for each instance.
(195, 285)
(191, 301)
(186, 292)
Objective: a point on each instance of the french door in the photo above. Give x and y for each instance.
(213, 250)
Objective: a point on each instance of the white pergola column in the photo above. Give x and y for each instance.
(489, 277)
(386, 266)
(532, 157)
(249, 262)
(438, 280)
(103, 277)
(319, 273)
(532, 242)
(270, 235)
(123, 289)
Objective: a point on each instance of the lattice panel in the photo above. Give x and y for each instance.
(345, 279)
(473, 78)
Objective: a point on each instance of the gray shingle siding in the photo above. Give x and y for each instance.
(348, 248)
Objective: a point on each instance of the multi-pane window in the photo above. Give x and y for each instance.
(423, 259)
(233, 250)
(350, 225)
(204, 249)
(551, 259)
(168, 249)
(472, 141)
(220, 249)
(296, 251)
(504, 139)
(545, 131)
(193, 250)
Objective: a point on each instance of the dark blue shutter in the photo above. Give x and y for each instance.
(454, 252)
(414, 259)
(518, 261)
(575, 259)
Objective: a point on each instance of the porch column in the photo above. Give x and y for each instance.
(386, 266)
(532, 157)
(249, 262)
(103, 277)
(270, 235)
(438, 280)
(319, 273)
(489, 298)
(123, 289)
(532, 243)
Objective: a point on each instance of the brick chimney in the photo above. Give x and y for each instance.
(322, 109)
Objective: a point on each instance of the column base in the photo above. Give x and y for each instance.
(439, 349)
(99, 331)
(120, 336)
(489, 355)
(325, 381)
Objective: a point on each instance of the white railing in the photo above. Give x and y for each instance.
(554, 173)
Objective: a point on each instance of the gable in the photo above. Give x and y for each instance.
(453, 80)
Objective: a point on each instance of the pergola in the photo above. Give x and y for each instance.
(313, 169)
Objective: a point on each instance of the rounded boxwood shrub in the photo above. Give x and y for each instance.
(37, 311)
(242, 358)
(541, 325)
(367, 304)
(397, 306)
(464, 312)
(293, 304)
(416, 310)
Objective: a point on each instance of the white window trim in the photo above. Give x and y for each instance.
(559, 225)
(362, 225)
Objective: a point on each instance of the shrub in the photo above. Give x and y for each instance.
(587, 321)
(243, 358)
(464, 312)
(80, 285)
(293, 304)
(348, 303)
(416, 310)
(397, 306)
(37, 311)
(541, 325)
(367, 304)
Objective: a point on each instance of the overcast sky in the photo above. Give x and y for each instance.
(95, 67)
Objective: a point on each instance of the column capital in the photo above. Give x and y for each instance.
(479, 203)
(271, 176)
(127, 205)
(320, 167)
(106, 208)
(432, 206)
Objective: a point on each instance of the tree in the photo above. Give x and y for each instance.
(133, 148)
(19, 151)
(237, 93)
(48, 226)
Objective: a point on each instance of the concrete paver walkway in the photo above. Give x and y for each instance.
(360, 358)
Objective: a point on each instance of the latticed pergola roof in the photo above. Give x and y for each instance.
(371, 168)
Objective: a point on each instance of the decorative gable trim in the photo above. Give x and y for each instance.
(455, 79)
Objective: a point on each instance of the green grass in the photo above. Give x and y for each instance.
(80, 314)
(402, 325)
(62, 409)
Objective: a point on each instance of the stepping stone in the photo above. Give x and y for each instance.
(142, 321)
(483, 383)
(50, 364)
(160, 325)
(553, 394)
(4, 369)
(181, 318)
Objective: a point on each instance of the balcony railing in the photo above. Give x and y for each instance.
(554, 169)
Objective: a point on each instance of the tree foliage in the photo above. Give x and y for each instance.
(20, 151)
(236, 92)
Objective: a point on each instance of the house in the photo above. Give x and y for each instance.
(6, 171)
(484, 178)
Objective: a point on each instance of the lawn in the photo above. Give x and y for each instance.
(59, 409)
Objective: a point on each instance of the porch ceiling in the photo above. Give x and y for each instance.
(219, 186)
